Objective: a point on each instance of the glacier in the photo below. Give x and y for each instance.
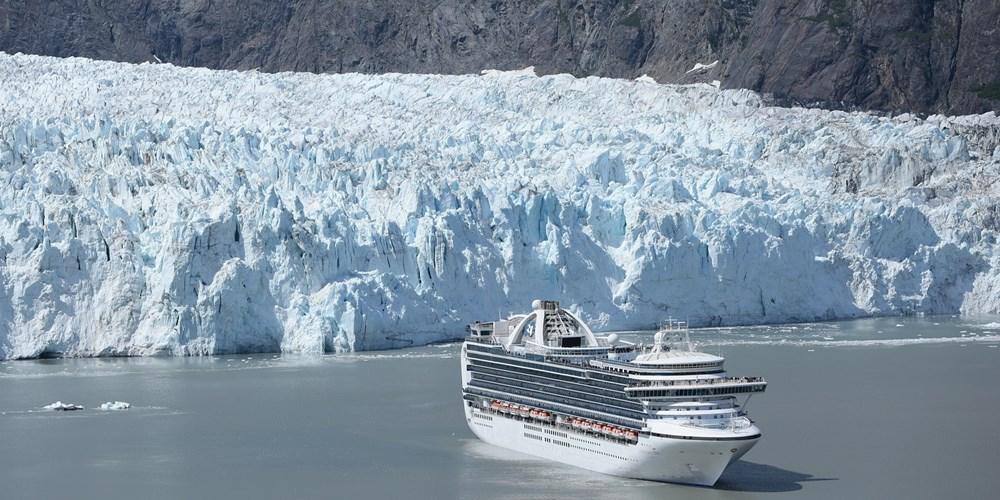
(156, 210)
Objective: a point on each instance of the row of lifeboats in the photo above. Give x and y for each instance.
(599, 428)
(578, 424)
(522, 411)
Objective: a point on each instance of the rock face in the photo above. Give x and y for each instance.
(152, 209)
(903, 55)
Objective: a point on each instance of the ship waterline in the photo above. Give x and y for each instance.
(543, 384)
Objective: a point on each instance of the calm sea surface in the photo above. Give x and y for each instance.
(886, 408)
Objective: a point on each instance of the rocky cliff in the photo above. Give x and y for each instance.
(904, 55)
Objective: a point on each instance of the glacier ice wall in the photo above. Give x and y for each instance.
(150, 209)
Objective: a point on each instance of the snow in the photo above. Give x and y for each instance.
(155, 210)
(115, 406)
(60, 406)
(702, 67)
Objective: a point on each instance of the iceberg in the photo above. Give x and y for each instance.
(115, 406)
(60, 406)
(156, 210)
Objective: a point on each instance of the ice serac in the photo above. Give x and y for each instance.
(157, 210)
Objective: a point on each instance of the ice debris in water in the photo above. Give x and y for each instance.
(60, 406)
(115, 405)
(151, 209)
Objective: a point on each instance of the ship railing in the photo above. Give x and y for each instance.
(698, 382)
(733, 424)
(483, 339)
(739, 424)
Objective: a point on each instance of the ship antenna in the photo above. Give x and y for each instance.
(687, 337)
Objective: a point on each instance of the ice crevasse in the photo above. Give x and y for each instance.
(150, 209)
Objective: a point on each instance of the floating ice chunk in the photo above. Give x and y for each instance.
(898, 325)
(115, 405)
(991, 326)
(60, 406)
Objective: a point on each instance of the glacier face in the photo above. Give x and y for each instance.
(150, 209)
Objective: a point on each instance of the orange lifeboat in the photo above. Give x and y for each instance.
(495, 405)
(607, 429)
(631, 435)
(616, 432)
(585, 425)
(523, 411)
(575, 423)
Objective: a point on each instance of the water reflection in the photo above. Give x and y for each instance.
(760, 478)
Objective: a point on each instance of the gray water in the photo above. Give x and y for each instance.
(860, 409)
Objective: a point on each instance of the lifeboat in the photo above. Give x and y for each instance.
(631, 435)
(505, 408)
(607, 429)
(618, 433)
(533, 413)
(524, 411)
(575, 423)
(585, 425)
(495, 405)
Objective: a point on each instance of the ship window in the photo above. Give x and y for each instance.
(572, 341)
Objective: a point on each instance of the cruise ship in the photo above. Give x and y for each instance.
(543, 384)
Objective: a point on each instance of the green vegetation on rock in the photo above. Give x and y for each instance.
(989, 91)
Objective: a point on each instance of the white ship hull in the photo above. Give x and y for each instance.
(653, 458)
